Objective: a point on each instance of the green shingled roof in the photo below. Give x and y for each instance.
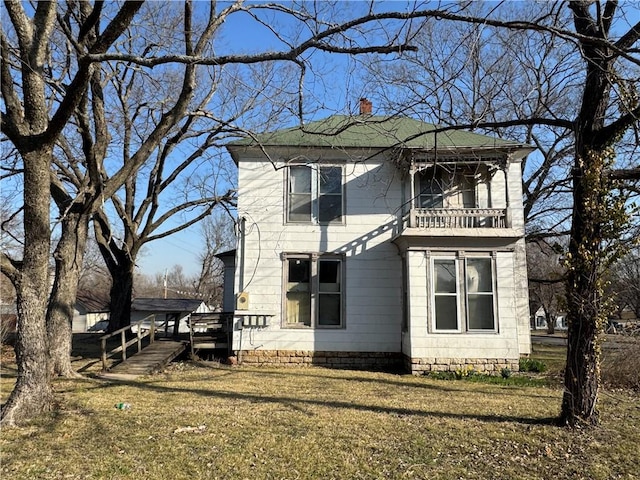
(371, 131)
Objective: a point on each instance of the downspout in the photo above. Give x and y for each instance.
(243, 224)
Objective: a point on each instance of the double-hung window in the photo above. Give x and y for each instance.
(463, 294)
(314, 294)
(315, 194)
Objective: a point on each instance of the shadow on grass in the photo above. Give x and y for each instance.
(298, 404)
(416, 382)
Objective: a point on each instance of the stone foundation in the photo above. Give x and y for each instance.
(373, 361)
(419, 366)
(299, 358)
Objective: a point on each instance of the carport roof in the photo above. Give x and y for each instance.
(165, 304)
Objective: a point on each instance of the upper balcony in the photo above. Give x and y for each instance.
(460, 200)
(456, 218)
(457, 223)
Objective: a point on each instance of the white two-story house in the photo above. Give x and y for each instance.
(376, 242)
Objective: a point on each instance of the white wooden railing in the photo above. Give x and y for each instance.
(456, 218)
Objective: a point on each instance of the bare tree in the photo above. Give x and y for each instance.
(470, 74)
(181, 180)
(589, 49)
(32, 125)
(547, 277)
(44, 86)
(625, 282)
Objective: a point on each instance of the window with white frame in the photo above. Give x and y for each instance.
(314, 294)
(463, 294)
(315, 194)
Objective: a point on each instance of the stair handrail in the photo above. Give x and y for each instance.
(151, 332)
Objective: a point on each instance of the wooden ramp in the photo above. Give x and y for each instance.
(150, 359)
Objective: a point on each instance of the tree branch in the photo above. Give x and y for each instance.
(625, 174)
(75, 91)
(10, 268)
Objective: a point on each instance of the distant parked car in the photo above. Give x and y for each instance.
(613, 327)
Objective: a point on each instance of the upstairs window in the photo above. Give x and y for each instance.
(315, 194)
(430, 195)
(299, 194)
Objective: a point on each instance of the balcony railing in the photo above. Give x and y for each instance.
(456, 218)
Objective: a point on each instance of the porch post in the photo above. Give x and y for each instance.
(506, 193)
(412, 194)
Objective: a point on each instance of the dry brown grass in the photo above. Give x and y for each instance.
(314, 423)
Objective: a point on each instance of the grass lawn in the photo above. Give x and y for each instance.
(205, 421)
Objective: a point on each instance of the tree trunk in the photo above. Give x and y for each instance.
(32, 393)
(584, 291)
(69, 257)
(121, 295)
(595, 222)
(551, 323)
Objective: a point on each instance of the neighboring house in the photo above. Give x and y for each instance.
(91, 312)
(368, 241)
(540, 321)
(166, 311)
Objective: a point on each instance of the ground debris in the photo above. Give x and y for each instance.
(189, 429)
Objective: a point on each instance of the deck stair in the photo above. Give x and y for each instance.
(150, 359)
(151, 354)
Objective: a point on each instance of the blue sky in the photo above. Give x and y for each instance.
(334, 90)
(334, 86)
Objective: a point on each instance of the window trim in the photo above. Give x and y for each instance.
(492, 293)
(459, 311)
(314, 287)
(315, 194)
(462, 293)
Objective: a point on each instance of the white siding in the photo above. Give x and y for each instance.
(373, 266)
(373, 273)
(428, 344)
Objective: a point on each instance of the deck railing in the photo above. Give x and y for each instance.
(210, 331)
(145, 327)
(456, 218)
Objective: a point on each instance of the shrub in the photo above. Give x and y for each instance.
(532, 365)
(443, 375)
(463, 372)
(621, 367)
(505, 373)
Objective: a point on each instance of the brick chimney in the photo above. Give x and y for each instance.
(365, 106)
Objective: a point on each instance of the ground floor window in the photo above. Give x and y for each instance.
(463, 294)
(313, 291)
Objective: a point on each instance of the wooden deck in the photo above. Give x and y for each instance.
(150, 359)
